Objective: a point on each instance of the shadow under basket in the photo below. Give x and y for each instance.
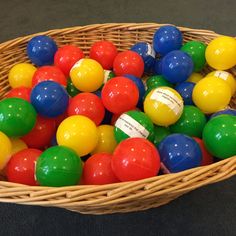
(119, 197)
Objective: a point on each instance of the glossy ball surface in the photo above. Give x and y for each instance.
(6, 150)
(20, 92)
(49, 99)
(41, 50)
(58, 166)
(135, 159)
(128, 62)
(185, 89)
(97, 170)
(17, 117)
(180, 152)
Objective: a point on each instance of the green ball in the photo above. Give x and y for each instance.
(196, 50)
(71, 89)
(58, 166)
(219, 136)
(157, 81)
(133, 124)
(17, 117)
(191, 122)
(160, 132)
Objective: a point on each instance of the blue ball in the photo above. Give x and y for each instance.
(49, 99)
(185, 89)
(98, 93)
(177, 66)
(166, 39)
(157, 67)
(54, 141)
(179, 152)
(107, 118)
(146, 51)
(224, 112)
(141, 88)
(41, 50)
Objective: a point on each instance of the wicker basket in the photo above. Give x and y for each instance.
(120, 197)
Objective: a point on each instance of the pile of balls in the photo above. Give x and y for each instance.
(117, 116)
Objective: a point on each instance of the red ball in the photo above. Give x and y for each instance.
(20, 92)
(104, 52)
(66, 57)
(42, 133)
(128, 62)
(61, 117)
(135, 159)
(87, 104)
(52, 73)
(207, 158)
(119, 95)
(21, 167)
(97, 170)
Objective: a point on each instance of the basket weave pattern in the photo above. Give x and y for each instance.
(120, 197)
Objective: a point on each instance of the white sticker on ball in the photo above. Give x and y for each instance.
(131, 127)
(221, 74)
(150, 50)
(168, 98)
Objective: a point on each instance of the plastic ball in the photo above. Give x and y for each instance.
(156, 81)
(108, 74)
(41, 50)
(51, 73)
(191, 122)
(221, 53)
(133, 124)
(71, 89)
(177, 66)
(167, 38)
(87, 75)
(58, 166)
(17, 145)
(196, 50)
(195, 77)
(180, 152)
(40, 136)
(6, 150)
(17, 117)
(21, 75)
(227, 77)
(66, 56)
(140, 85)
(185, 89)
(97, 170)
(211, 94)
(135, 159)
(160, 133)
(49, 99)
(224, 112)
(78, 133)
(107, 118)
(103, 52)
(164, 106)
(207, 158)
(219, 136)
(21, 167)
(89, 105)
(19, 92)
(146, 51)
(128, 62)
(106, 139)
(157, 67)
(119, 95)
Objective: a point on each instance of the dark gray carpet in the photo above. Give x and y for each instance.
(207, 211)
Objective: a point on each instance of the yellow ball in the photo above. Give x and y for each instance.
(106, 140)
(17, 145)
(195, 77)
(21, 75)
(211, 94)
(163, 105)
(78, 133)
(5, 150)
(87, 75)
(221, 53)
(227, 77)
